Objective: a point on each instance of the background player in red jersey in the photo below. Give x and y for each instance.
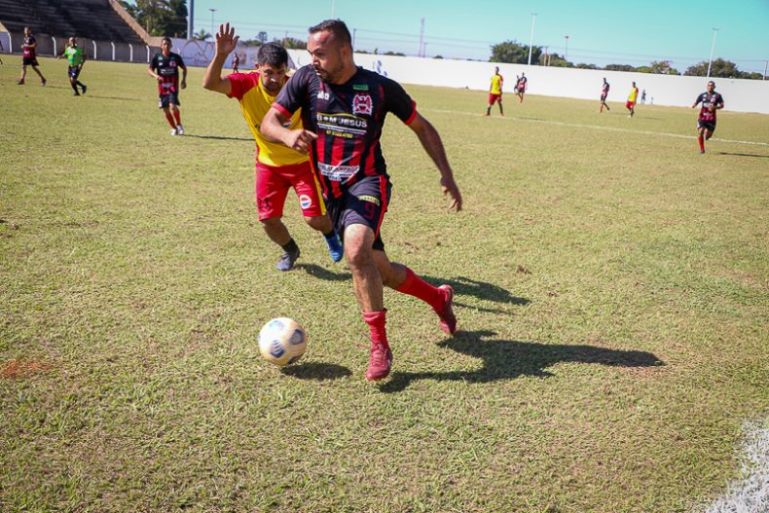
(495, 92)
(165, 69)
(343, 110)
(632, 98)
(604, 94)
(29, 56)
(706, 122)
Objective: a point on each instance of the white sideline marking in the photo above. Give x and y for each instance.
(596, 127)
(751, 493)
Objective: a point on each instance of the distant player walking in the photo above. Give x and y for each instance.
(29, 56)
(235, 63)
(520, 87)
(165, 69)
(75, 59)
(604, 94)
(495, 92)
(343, 109)
(277, 168)
(706, 122)
(631, 100)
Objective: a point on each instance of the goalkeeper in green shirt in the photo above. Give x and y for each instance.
(76, 58)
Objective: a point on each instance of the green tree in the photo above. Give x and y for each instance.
(159, 17)
(262, 36)
(619, 67)
(719, 68)
(515, 53)
(559, 61)
(201, 35)
(293, 43)
(662, 68)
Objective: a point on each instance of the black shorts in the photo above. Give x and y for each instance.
(710, 126)
(603, 97)
(364, 202)
(73, 72)
(30, 61)
(167, 99)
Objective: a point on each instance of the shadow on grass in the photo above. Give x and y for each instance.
(317, 371)
(219, 137)
(509, 359)
(462, 286)
(744, 155)
(118, 98)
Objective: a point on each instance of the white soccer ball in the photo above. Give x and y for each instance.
(282, 341)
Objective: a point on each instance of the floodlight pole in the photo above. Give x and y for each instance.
(212, 20)
(333, 9)
(712, 49)
(190, 19)
(766, 68)
(566, 51)
(421, 38)
(531, 35)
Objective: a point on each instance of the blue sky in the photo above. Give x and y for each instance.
(600, 32)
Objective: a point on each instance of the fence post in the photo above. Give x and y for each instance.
(130, 52)
(113, 49)
(54, 46)
(95, 53)
(148, 52)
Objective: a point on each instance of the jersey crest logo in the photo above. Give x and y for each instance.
(362, 104)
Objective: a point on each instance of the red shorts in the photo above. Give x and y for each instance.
(272, 184)
(630, 104)
(494, 98)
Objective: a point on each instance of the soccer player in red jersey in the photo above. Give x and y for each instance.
(343, 110)
(604, 94)
(706, 122)
(520, 86)
(165, 69)
(278, 168)
(632, 98)
(29, 56)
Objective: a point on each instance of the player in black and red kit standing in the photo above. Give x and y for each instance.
(165, 69)
(520, 86)
(29, 56)
(604, 94)
(343, 112)
(706, 122)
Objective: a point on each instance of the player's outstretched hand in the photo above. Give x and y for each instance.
(226, 40)
(450, 189)
(300, 140)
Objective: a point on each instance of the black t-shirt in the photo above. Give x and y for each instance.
(168, 69)
(348, 119)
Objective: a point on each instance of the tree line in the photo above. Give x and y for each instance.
(516, 53)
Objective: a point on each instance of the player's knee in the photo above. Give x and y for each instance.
(357, 250)
(270, 222)
(320, 223)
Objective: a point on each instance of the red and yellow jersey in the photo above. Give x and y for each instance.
(633, 96)
(496, 84)
(255, 102)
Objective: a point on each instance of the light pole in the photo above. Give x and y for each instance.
(333, 8)
(212, 20)
(566, 51)
(712, 49)
(531, 35)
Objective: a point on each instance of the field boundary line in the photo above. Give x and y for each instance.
(596, 127)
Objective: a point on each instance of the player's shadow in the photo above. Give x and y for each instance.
(118, 98)
(743, 155)
(218, 137)
(324, 274)
(509, 359)
(317, 371)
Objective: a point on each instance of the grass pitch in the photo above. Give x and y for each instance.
(612, 290)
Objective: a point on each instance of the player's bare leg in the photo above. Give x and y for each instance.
(170, 119)
(324, 226)
(23, 74)
(278, 233)
(177, 115)
(501, 112)
(40, 74)
(402, 279)
(367, 282)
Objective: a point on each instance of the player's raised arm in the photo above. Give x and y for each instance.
(226, 42)
(431, 142)
(273, 129)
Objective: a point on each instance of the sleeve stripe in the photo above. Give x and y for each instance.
(413, 114)
(280, 108)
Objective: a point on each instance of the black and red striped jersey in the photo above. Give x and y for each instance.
(710, 102)
(348, 119)
(168, 69)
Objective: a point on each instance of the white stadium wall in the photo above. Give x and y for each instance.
(673, 90)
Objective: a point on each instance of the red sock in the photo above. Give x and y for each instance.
(178, 117)
(376, 325)
(170, 119)
(701, 140)
(415, 286)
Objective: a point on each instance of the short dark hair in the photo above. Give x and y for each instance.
(336, 27)
(168, 39)
(272, 54)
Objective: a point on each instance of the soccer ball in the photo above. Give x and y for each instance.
(282, 341)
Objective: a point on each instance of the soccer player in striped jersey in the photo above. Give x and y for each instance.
(520, 86)
(29, 56)
(277, 168)
(165, 69)
(343, 109)
(495, 92)
(604, 94)
(706, 122)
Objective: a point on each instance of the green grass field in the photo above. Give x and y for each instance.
(612, 295)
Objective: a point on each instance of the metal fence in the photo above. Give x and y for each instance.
(96, 50)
